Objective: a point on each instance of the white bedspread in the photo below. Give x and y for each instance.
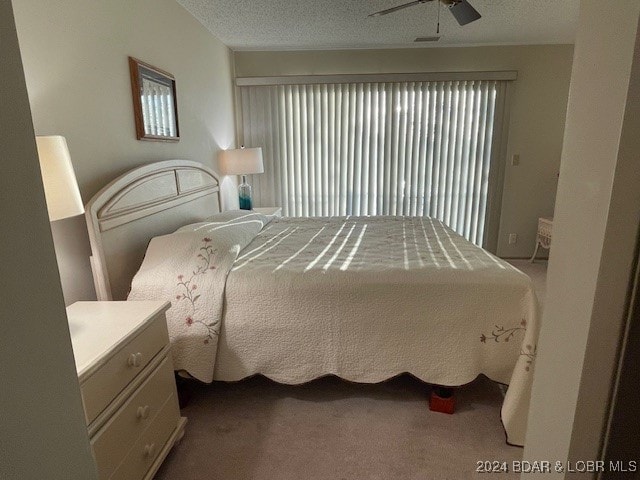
(189, 268)
(366, 298)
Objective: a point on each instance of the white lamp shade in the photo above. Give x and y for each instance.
(241, 161)
(58, 177)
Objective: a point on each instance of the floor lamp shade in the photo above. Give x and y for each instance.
(242, 161)
(58, 177)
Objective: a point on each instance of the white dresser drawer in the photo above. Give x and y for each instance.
(102, 386)
(123, 361)
(114, 440)
(149, 445)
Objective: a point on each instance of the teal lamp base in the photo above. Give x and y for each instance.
(244, 194)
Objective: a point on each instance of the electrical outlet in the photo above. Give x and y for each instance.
(513, 238)
(515, 159)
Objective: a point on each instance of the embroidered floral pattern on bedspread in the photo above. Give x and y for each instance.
(530, 354)
(502, 334)
(190, 267)
(188, 288)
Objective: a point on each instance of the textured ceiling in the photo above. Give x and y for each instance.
(317, 24)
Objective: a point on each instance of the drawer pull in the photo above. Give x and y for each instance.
(143, 412)
(135, 359)
(149, 450)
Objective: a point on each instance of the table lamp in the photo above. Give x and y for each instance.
(60, 185)
(242, 161)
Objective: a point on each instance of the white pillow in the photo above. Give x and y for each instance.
(226, 217)
(230, 215)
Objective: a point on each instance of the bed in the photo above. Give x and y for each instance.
(363, 298)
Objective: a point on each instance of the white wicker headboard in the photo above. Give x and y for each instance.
(148, 201)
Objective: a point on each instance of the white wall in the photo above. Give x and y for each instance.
(75, 60)
(538, 108)
(43, 428)
(595, 235)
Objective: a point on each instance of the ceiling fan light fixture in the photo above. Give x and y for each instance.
(461, 10)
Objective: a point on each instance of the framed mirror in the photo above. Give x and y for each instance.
(155, 106)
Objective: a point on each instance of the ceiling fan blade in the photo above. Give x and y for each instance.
(464, 13)
(399, 7)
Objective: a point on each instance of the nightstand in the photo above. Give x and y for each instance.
(276, 211)
(127, 383)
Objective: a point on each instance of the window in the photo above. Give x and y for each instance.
(396, 148)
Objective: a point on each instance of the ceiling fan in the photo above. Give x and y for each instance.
(461, 10)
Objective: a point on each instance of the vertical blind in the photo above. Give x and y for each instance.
(400, 148)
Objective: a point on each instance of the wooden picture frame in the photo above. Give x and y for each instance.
(155, 103)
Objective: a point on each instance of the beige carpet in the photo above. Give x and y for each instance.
(330, 429)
